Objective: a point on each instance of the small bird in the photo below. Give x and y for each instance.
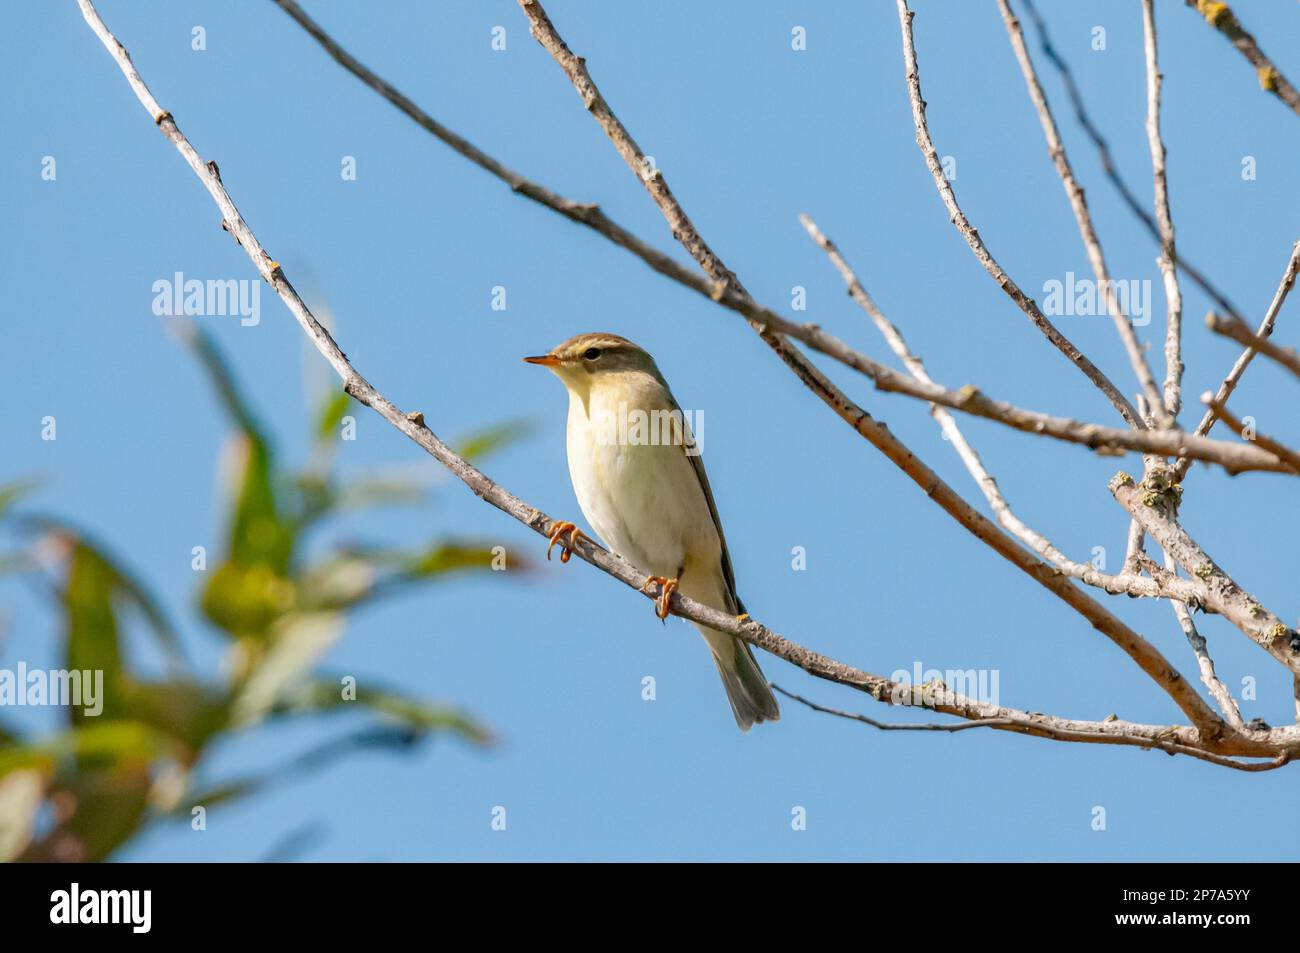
(648, 498)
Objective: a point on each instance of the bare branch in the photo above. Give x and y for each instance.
(1138, 558)
(1221, 17)
(892, 726)
(977, 246)
(1129, 582)
(1134, 546)
(1108, 163)
(1281, 451)
(1079, 205)
(1233, 457)
(1168, 254)
(585, 214)
(1154, 504)
(575, 67)
(1058, 730)
(1240, 332)
(1239, 368)
(1218, 691)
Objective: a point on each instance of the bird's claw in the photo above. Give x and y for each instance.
(566, 549)
(666, 589)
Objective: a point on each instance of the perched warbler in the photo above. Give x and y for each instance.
(648, 498)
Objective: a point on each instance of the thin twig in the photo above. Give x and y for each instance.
(1168, 255)
(1108, 167)
(1239, 367)
(1240, 332)
(977, 246)
(1134, 545)
(894, 726)
(1057, 733)
(1218, 691)
(1233, 457)
(1079, 205)
(1221, 17)
(1273, 446)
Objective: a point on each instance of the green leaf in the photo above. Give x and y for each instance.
(360, 575)
(331, 415)
(232, 400)
(398, 570)
(258, 534)
(109, 806)
(490, 439)
(91, 628)
(152, 611)
(97, 741)
(448, 557)
(341, 693)
(246, 602)
(335, 583)
(380, 491)
(91, 566)
(319, 497)
(394, 737)
(102, 772)
(298, 642)
(221, 794)
(189, 712)
(248, 593)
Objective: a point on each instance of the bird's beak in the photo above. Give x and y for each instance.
(546, 360)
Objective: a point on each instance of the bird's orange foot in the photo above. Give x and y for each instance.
(566, 549)
(666, 589)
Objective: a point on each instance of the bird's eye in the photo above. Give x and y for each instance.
(591, 353)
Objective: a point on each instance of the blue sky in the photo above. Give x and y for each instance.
(749, 133)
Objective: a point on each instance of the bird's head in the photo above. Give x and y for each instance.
(590, 360)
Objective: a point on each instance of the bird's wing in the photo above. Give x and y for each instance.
(728, 574)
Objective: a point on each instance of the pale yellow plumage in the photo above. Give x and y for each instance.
(648, 498)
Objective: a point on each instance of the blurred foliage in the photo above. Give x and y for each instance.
(97, 783)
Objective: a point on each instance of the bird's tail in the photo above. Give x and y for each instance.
(752, 701)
